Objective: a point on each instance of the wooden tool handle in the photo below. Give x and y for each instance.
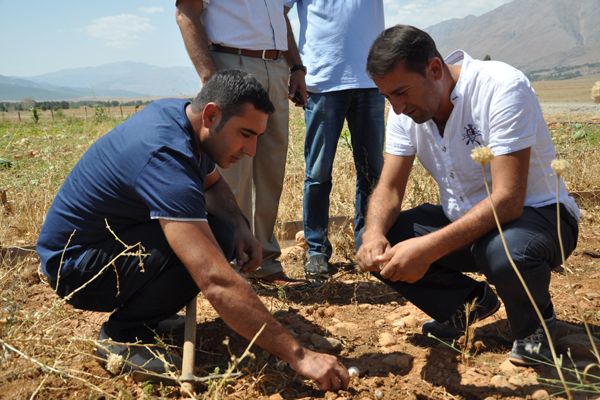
(187, 366)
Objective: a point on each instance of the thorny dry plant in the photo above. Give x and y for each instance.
(40, 344)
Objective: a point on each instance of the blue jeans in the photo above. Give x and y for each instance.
(324, 116)
(533, 244)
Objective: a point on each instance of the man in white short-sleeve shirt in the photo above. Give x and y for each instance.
(441, 111)
(253, 36)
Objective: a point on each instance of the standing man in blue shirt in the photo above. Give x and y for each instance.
(335, 36)
(152, 183)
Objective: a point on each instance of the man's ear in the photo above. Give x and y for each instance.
(211, 115)
(436, 68)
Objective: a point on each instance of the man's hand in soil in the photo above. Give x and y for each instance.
(325, 369)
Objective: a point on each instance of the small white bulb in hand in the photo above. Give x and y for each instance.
(353, 371)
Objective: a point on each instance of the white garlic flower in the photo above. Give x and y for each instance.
(482, 155)
(114, 363)
(559, 166)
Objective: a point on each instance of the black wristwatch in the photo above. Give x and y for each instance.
(298, 67)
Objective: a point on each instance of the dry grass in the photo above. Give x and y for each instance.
(577, 90)
(46, 347)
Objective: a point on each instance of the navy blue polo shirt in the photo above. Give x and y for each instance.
(146, 168)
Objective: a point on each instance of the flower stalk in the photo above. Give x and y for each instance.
(483, 155)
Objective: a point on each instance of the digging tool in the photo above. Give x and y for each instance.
(189, 343)
(187, 379)
(142, 376)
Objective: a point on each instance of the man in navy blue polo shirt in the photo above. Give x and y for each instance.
(144, 221)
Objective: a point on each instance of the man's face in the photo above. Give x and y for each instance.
(237, 137)
(411, 93)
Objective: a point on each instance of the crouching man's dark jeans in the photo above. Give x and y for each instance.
(138, 295)
(533, 244)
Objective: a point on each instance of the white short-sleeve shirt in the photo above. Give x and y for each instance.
(494, 106)
(246, 24)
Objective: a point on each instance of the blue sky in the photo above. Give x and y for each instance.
(49, 35)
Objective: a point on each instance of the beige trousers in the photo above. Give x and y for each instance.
(257, 182)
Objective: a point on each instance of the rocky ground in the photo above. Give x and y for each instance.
(46, 348)
(365, 323)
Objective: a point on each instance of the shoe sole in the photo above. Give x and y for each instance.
(523, 362)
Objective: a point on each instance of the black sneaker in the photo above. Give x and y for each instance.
(317, 268)
(171, 329)
(128, 357)
(534, 349)
(457, 324)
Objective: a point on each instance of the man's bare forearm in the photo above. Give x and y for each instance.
(194, 37)
(292, 55)
(383, 209)
(509, 178)
(476, 223)
(229, 293)
(386, 201)
(243, 311)
(221, 203)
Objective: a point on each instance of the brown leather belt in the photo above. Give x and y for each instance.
(264, 54)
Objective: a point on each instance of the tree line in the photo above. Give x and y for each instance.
(29, 104)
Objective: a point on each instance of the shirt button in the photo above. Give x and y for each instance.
(461, 198)
(444, 148)
(452, 175)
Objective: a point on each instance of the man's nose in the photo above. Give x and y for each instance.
(398, 106)
(250, 147)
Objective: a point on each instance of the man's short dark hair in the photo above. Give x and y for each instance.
(401, 43)
(230, 90)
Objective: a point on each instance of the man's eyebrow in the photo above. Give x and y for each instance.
(400, 88)
(397, 89)
(250, 131)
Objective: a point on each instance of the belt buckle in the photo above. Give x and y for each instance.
(264, 56)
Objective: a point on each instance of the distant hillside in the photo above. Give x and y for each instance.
(548, 39)
(130, 76)
(116, 80)
(16, 89)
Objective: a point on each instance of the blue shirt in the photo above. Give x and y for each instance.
(335, 38)
(146, 168)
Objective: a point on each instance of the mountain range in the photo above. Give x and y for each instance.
(115, 80)
(548, 39)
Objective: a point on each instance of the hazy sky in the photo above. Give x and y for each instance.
(48, 35)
